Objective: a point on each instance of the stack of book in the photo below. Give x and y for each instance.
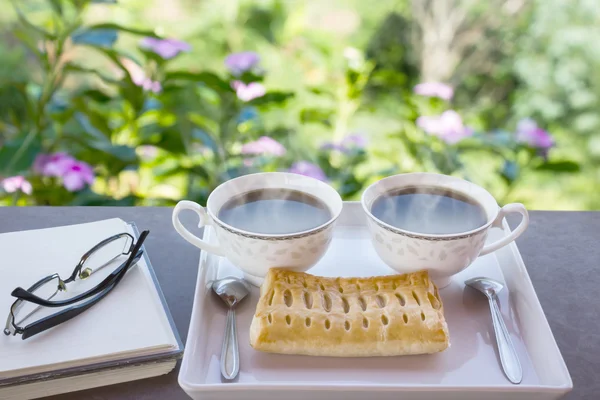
(128, 335)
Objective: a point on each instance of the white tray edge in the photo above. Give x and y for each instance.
(194, 388)
(534, 301)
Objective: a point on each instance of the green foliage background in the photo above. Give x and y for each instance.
(64, 86)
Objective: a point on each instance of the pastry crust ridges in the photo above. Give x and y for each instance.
(298, 313)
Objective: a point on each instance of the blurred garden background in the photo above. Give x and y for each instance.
(146, 102)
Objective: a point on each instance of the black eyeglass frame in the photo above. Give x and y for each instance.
(101, 290)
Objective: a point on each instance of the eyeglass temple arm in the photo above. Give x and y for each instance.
(64, 315)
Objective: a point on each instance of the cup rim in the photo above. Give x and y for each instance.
(334, 214)
(426, 235)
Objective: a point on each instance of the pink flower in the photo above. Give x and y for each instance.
(14, 183)
(139, 78)
(148, 152)
(434, 89)
(248, 92)
(52, 164)
(529, 132)
(150, 85)
(448, 126)
(76, 175)
(166, 48)
(238, 63)
(308, 169)
(264, 145)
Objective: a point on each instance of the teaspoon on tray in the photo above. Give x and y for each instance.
(232, 291)
(508, 355)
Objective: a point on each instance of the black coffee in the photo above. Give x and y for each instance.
(429, 211)
(274, 211)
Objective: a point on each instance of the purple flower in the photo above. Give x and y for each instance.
(434, 89)
(248, 92)
(448, 126)
(76, 175)
(333, 146)
(166, 48)
(347, 144)
(52, 164)
(238, 63)
(308, 169)
(530, 133)
(14, 183)
(356, 141)
(40, 163)
(264, 145)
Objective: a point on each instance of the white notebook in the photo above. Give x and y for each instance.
(130, 323)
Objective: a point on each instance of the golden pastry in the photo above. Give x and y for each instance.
(298, 313)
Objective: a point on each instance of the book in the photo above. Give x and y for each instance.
(128, 335)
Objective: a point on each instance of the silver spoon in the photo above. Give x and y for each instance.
(231, 291)
(506, 349)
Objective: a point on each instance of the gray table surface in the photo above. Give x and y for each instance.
(561, 251)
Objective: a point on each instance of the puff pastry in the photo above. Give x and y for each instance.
(298, 313)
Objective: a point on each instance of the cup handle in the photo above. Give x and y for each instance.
(204, 221)
(509, 208)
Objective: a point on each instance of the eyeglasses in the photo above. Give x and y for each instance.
(108, 262)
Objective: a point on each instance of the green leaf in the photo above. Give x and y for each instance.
(97, 134)
(17, 155)
(350, 188)
(199, 171)
(321, 91)
(115, 56)
(266, 22)
(124, 153)
(203, 122)
(171, 141)
(38, 30)
(117, 27)
(210, 79)
(78, 68)
(316, 115)
(32, 44)
(96, 95)
(95, 37)
(271, 98)
(56, 6)
(129, 89)
(559, 166)
(150, 55)
(206, 139)
(87, 197)
(510, 171)
(248, 77)
(96, 126)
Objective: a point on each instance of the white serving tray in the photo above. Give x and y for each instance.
(469, 369)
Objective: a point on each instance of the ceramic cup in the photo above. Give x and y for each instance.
(443, 255)
(254, 253)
